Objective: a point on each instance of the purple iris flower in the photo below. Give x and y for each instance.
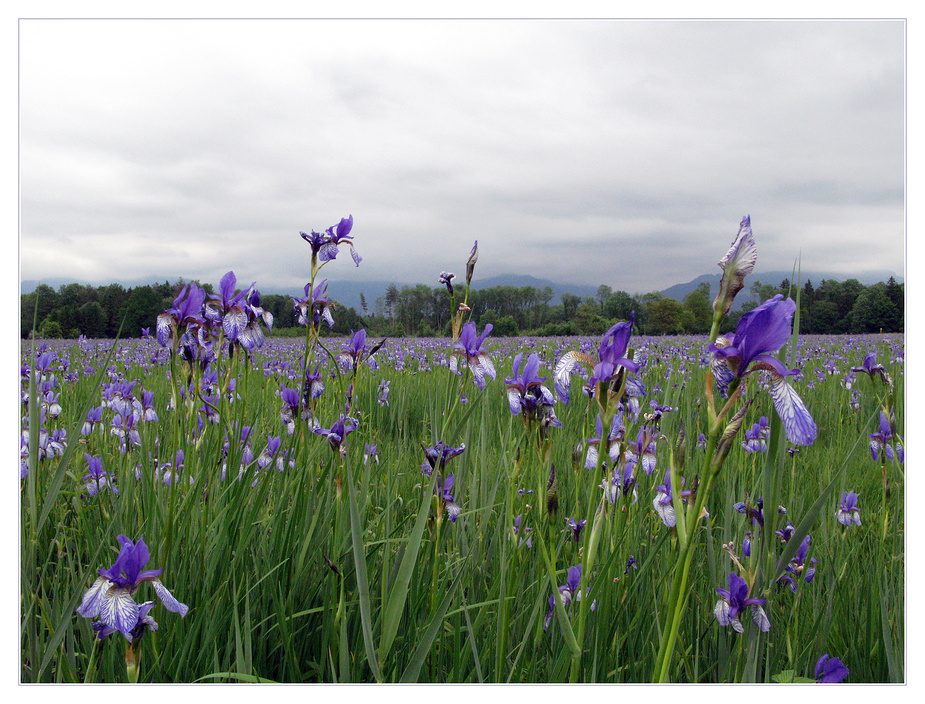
(576, 528)
(314, 385)
(96, 479)
(830, 670)
(370, 451)
(642, 450)
(881, 442)
(446, 278)
(110, 596)
(761, 331)
(438, 455)
(736, 265)
(252, 336)
(756, 437)
(226, 307)
(443, 490)
(315, 306)
(337, 235)
(871, 368)
(382, 397)
(290, 411)
(570, 593)
(664, 501)
(611, 357)
(623, 481)
(613, 445)
(526, 393)
(848, 512)
(94, 419)
(526, 531)
(338, 432)
(352, 353)
(755, 513)
(785, 533)
(798, 567)
(734, 601)
(470, 349)
(355, 351)
(187, 308)
(324, 246)
(269, 453)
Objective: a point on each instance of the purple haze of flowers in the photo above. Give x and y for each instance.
(736, 265)
(848, 512)
(611, 357)
(734, 601)
(830, 670)
(760, 332)
(110, 596)
(470, 349)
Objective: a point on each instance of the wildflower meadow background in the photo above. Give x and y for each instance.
(210, 503)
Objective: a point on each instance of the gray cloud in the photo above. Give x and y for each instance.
(618, 152)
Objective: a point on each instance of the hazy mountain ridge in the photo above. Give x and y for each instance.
(347, 293)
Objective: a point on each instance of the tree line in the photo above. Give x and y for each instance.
(832, 307)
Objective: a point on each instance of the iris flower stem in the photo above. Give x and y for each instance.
(94, 657)
(678, 594)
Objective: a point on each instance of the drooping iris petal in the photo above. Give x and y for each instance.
(562, 374)
(167, 599)
(798, 423)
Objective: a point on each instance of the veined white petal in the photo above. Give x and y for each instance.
(234, 322)
(721, 612)
(93, 599)
(119, 611)
(665, 511)
(760, 618)
(513, 400)
(798, 423)
(167, 599)
(562, 374)
(487, 365)
(591, 457)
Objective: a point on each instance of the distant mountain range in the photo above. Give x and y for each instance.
(347, 293)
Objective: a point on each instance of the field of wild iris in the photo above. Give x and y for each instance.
(213, 505)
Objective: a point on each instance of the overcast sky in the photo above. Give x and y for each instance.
(614, 152)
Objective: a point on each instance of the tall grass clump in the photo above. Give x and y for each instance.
(215, 504)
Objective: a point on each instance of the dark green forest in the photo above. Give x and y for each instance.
(832, 307)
